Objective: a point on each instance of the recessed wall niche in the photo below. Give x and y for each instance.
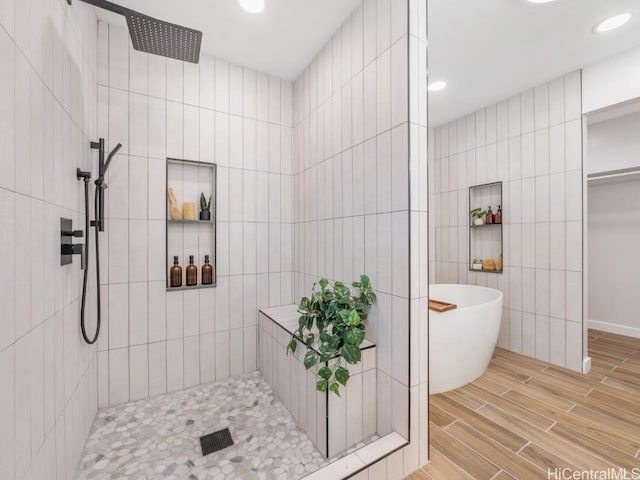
(486, 236)
(188, 234)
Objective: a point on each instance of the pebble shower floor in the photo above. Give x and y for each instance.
(159, 437)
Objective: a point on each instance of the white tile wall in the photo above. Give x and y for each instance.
(362, 63)
(542, 207)
(47, 373)
(156, 341)
(360, 186)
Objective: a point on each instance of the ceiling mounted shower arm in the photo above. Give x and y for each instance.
(105, 5)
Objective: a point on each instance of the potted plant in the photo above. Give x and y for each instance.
(478, 214)
(205, 207)
(331, 326)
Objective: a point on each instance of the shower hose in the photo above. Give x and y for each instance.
(87, 224)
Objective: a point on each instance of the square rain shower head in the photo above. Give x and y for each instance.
(155, 36)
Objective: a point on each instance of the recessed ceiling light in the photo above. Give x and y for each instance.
(437, 86)
(252, 6)
(612, 23)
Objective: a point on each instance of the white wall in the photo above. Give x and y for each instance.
(614, 264)
(360, 185)
(47, 118)
(614, 144)
(350, 183)
(155, 341)
(611, 81)
(532, 142)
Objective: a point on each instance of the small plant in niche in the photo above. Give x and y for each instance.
(478, 214)
(332, 320)
(205, 207)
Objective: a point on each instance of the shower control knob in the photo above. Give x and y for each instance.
(77, 249)
(73, 233)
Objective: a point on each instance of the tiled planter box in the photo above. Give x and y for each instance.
(333, 423)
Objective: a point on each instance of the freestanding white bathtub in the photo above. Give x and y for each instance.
(461, 341)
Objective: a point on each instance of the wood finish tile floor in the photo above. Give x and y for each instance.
(524, 416)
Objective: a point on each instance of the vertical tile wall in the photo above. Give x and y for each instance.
(351, 179)
(420, 150)
(359, 193)
(532, 142)
(47, 118)
(156, 341)
(351, 416)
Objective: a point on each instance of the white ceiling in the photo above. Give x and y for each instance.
(488, 50)
(280, 41)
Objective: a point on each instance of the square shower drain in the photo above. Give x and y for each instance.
(216, 441)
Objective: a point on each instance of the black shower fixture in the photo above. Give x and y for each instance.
(98, 223)
(155, 36)
(100, 185)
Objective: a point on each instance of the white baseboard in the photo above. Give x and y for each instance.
(615, 328)
(586, 365)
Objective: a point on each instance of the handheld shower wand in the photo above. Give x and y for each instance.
(98, 223)
(101, 186)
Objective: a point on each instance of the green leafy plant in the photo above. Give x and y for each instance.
(478, 213)
(204, 205)
(331, 326)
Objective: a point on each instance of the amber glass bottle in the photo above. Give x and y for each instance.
(192, 273)
(497, 218)
(207, 272)
(488, 219)
(175, 274)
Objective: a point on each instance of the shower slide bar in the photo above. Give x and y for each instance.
(98, 224)
(623, 172)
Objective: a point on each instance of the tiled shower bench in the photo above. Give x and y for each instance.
(333, 423)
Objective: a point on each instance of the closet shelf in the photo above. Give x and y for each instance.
(623, 172)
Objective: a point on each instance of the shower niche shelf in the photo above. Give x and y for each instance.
(486, 241)
(188, 222)
(188, 179)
